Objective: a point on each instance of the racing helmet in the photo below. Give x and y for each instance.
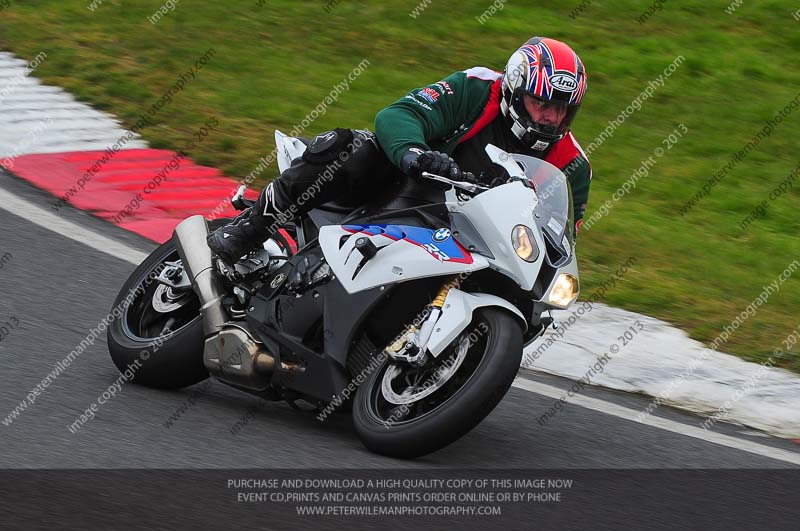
(542, 88)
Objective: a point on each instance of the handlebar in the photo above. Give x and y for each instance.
(471, 187)
(239, 202)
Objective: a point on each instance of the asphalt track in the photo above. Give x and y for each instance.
(58, 289)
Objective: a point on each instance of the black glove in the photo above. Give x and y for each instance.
(416, 161)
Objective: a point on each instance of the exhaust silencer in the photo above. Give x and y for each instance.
(190, 239)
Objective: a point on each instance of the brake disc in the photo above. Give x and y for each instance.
(430, 385)
(165, 300)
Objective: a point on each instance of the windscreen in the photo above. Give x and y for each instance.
(555, 201)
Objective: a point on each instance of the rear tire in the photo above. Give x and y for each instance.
(169, 361)
(459, 413)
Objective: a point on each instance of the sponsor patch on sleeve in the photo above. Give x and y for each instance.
(413, 97)
(444, 87)
(428, 94)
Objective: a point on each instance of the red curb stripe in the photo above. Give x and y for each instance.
(188, 190)
(131, 184)
(127, 168)
(138, 154)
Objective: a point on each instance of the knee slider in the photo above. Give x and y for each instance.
(327, 146)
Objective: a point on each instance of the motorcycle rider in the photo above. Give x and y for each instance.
(442, 129)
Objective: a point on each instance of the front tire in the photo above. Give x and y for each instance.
(482, 379)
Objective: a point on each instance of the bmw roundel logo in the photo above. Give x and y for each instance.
(441, 235)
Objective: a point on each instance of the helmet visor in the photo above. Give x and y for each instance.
(548, 118)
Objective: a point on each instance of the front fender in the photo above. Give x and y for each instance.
(457, 314)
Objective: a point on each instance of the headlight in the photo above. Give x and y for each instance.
(564, 291)
(524, 243)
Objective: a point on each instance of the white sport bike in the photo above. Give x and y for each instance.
(413, 314)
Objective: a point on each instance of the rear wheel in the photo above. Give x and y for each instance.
(158, 337)
(405, 411)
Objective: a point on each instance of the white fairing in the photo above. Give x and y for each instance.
(457, 314)
(396, 261)
(288, 148)
(494, 214)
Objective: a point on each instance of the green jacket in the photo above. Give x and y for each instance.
(447, 113)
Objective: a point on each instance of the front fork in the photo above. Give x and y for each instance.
(411, 344)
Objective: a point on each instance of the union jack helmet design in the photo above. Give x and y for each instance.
(552, 75)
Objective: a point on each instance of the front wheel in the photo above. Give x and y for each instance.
(406, 412)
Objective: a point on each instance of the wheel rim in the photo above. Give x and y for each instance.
(157, 311)
(425, 391)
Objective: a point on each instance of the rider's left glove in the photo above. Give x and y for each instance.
(416, 161)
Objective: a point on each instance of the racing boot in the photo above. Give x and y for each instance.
(248, 230)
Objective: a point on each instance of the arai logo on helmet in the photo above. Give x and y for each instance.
(564, 82)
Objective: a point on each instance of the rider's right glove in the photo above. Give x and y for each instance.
(416, 161)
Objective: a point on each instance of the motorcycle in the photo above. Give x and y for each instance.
(412, 314)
